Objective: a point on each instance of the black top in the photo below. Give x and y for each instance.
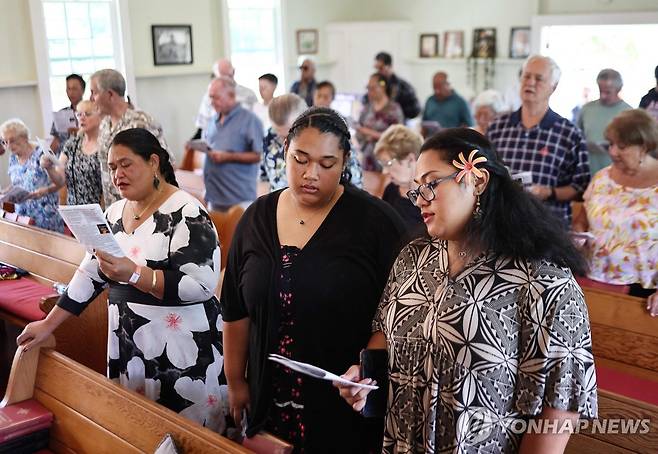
(337, 279)
(651, 96)
(409, 212)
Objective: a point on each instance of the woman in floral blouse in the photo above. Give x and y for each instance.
(484, 323)
(164, 322)
(380, 113)
(621, 208)
(25, 172)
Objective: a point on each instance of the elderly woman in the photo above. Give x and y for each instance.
(484, 322)
(396, 151)
(164, 323)
(621, 208)
(380, 113)
(486, 106)
(282, 111)
(305, 271)
(78, 165)
(25, 172)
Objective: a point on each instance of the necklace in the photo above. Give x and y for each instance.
(136, 216)
(301, 220)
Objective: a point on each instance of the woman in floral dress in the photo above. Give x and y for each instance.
(164, 323)
(484, 323)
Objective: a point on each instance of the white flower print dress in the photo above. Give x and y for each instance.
(169, 350)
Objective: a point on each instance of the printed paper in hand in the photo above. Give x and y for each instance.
(13, 194)
(199, 145)
(63, 120)
(47, 152)
(90, 228)
(313, 371)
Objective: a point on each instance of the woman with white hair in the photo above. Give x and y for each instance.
(486, 106)
(25, 172)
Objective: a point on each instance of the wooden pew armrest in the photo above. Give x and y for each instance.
(23, 373)
(48, 302)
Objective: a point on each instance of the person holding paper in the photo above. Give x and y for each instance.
(484, 322)
(65, 124)
(621, 209)
(305, 271)
(164, 322)
(78, 166)
(26, 173)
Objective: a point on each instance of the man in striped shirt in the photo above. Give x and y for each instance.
(536, 140)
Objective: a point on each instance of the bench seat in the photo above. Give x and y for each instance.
(20, 298)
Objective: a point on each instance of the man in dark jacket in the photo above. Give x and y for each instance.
(649, 102)
(402, 93)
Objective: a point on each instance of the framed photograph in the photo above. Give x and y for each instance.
(484, 43)
(519, 42)
(453, 44)
(429, 45)
(307, 41)
(172, 44)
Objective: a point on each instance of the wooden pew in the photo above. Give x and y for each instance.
(95, 415)
(625, 341)
(51, 257)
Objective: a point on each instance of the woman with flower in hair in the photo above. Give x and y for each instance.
(304, 275)
(484, 323)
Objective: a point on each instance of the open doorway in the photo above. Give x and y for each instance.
(583, 45)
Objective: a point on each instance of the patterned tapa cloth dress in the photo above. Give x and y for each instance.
(168, 350)
(469, 356)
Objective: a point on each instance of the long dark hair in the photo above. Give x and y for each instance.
(144, 144)
(327, 121)
(513, 222)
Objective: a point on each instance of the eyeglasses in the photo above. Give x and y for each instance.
(303, 67)
(426, 191)
(386, 164)
(11, 141)
(80, 115)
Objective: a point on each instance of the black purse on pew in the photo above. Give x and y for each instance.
(374, 364)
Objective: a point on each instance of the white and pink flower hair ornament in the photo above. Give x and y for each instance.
(467, 166)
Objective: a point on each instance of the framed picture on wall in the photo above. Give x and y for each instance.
(519, 42)
(172, 44)
(484, 43)
(453, 44)
(307, 41)
(429, 45)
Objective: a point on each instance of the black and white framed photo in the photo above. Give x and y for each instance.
(519, 42)
(429, 45)
(172, 44)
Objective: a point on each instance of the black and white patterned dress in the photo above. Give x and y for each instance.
(169, 350)
(83, 174)
(470, 355)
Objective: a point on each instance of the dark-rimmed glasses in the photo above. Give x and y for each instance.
(426, 191)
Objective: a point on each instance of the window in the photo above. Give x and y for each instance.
(81, 38)
(255, 40)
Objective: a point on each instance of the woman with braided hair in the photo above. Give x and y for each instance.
(305, 272)
(164, 323)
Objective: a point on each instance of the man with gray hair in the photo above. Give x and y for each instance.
(108, 88)
(235, 136)
(596, 115)
(541, 144)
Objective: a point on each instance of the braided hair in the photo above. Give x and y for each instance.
(144, 144)
(327, 121)
(513, 223)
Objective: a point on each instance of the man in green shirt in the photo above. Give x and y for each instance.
(596, 115)
(445, 106)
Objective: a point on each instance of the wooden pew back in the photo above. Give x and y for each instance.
(52, 257)
(94, 414)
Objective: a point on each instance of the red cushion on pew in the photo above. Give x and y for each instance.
(627, 385)
(591, 283)
(21, 298)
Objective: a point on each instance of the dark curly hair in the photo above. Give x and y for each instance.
(144, 144)
(513, 222)
(327, 121)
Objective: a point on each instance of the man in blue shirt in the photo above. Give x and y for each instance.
(235, 136)
(445, 106)
(536, 140)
